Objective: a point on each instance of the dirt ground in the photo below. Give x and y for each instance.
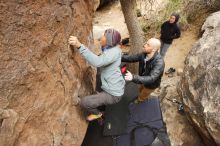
(178, 51)
(112, 17)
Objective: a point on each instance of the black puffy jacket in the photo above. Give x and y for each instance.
(150, 72)
(169, 32)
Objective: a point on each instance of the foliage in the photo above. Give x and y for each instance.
(158, 17)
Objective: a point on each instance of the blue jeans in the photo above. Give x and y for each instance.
(163, 49)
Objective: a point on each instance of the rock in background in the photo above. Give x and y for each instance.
(200, 83)
(100, 3)
(180, 131)
(204, 7)
(40, 77)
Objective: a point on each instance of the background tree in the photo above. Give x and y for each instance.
(134, 28)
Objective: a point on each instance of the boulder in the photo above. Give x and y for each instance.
(200, 83)
(40, 77)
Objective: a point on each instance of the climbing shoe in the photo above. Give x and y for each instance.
(94, 117)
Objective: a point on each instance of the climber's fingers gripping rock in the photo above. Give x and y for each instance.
(73, 40)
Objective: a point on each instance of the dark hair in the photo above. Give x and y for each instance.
(177, 17)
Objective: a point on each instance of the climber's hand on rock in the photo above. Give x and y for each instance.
(74, 41)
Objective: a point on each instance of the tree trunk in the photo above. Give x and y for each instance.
(134, 28)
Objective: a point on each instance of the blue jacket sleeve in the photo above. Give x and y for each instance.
(104, 59)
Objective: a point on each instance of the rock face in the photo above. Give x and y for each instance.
(200, 83)
(198, 10)
(96, 4)
(100, 3)
(180, 131)
(40, 77)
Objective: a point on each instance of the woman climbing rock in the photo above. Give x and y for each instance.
(109, 62)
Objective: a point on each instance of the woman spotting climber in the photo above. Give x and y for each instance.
(109, 62)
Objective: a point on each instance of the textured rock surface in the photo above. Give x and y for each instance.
(180, 131)
(96, 4)
(40, 77)
(200, 83)
(100, 3)
(198, 10)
